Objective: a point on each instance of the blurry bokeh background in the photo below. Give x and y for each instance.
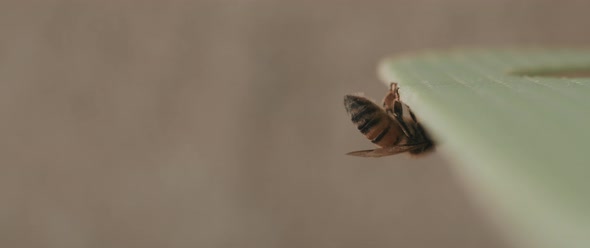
(220, 123)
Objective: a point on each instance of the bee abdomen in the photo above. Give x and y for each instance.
(370, 119)
(366, 126)
(381, 135)
(357, 115)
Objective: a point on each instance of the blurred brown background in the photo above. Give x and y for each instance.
(220, 123)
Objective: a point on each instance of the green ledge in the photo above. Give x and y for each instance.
(516, 125)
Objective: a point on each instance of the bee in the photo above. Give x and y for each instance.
(393, 127)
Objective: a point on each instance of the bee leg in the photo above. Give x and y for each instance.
(391, 98)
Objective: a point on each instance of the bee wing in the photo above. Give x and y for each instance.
(380, 152)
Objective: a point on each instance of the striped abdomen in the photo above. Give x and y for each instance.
(373, 121)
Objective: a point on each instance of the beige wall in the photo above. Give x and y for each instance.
(220, 123)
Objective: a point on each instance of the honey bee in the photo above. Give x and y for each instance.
(393, 127)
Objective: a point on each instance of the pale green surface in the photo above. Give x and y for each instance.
(521, 141)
